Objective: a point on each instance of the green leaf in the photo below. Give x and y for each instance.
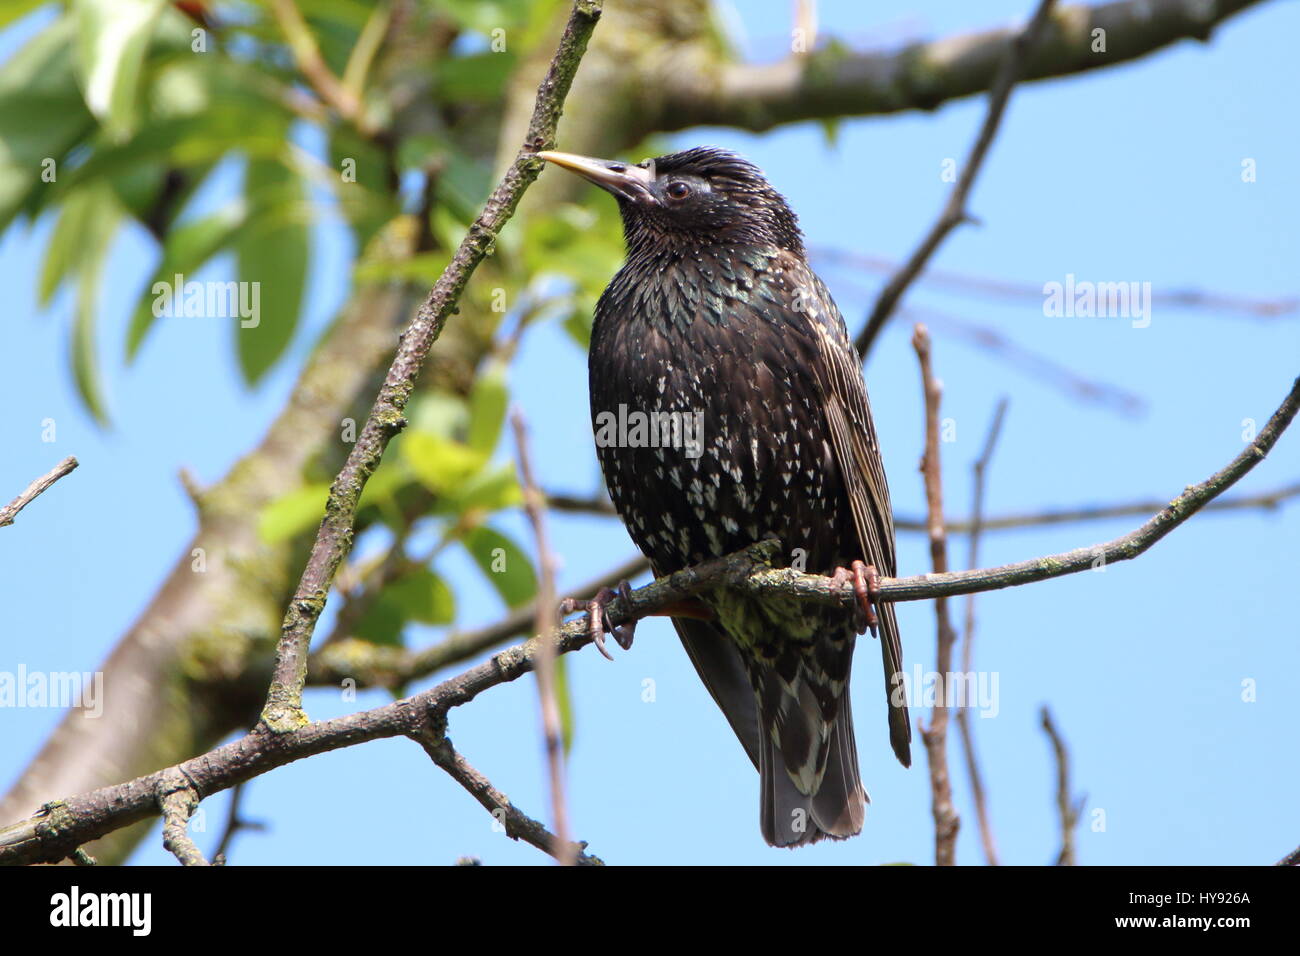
(14, 9)
(564, 702)
(293, 513)
(506, 566)
(487, 406)
(363, 192)
(188, 247)
(181, 141)
(831, 131)
(42, 115)
(484, 16)
(96, 214)
(440, 464)
(85, 363)
(478, 78)
(490, 490)
(68, 242)
(112, 36)
(438, 413)
(421, 596)
(273, 251)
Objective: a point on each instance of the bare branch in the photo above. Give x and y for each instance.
(946, 822)
(1044, 368)
(547, 619)
(517, 824)
(178, 801)
(833, 83)
(1265, 500)
(312, 65)
(983, 287)
(979, 468)
(1066, 807)
(236, 823)
(954, 212)
(283, 710)
(34, 490)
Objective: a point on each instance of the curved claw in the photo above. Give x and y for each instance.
(866, 581)
(598, 619)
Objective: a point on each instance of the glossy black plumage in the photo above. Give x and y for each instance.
(717, 316)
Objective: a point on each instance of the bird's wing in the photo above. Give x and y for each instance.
(853, 438)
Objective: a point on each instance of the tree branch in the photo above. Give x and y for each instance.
(235, 824)
(38, 487)
(1264, 500)
(954, 211)
(833, 82)
(517, 824)
(935, 736)
(1066, 808)
(178, 801)
(547, 619)
(975, 286)
(979, 469)
(312, 65)
(62, 826)
(283, 709)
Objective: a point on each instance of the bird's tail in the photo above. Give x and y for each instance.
(808, 766)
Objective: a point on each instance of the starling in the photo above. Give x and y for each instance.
(717, 334)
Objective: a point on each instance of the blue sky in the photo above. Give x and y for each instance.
(1129, 174)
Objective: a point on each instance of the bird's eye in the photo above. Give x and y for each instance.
(678, 190)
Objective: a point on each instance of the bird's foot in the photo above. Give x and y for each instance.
(598, 618)
(866, 582)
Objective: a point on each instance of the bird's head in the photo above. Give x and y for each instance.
(700, 197)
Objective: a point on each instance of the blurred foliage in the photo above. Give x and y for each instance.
(191, 123)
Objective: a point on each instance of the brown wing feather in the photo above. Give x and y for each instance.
(857, 451)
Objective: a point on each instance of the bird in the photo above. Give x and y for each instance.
(715, 328)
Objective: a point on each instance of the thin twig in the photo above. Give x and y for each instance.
(517, 824)
(1043, 368)
(177, 806)
(946, 822)
(837, 81)
(235, 823)
(312, 65)
(981, 286)
(979, 470)
(954, 213)
(1265, 500)
(546, 622)
(283, 710)
(34, 490)
(1066, 808)
(55, 832)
